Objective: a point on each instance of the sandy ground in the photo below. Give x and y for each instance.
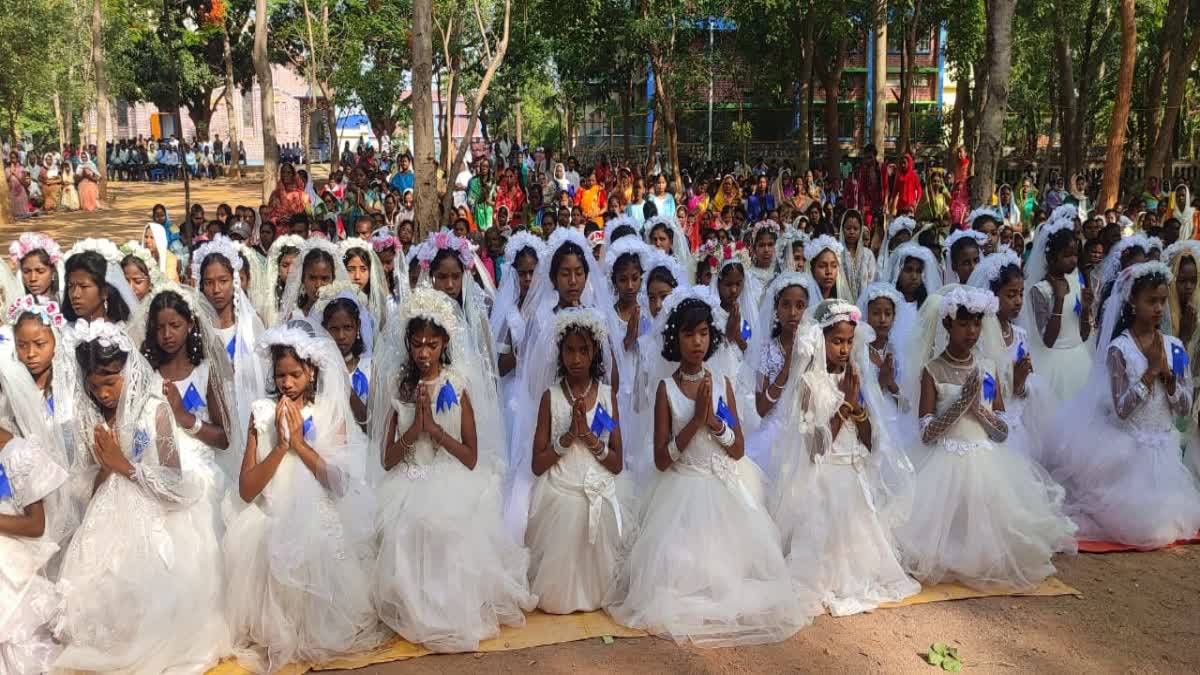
(1139, 612)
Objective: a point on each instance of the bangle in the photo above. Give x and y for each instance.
(602, 455)
(559, 448)
(726, 438)
(861, 416)
(196, 426)
(673, 450)
(767, 394)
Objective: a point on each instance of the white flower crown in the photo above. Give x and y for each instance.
(974, 300)
(1131, 274)
(786, 280)
(620, 221)
(656, 259)
(223, 245)
(1052, 226)
(427, 303)
(346, 245)
(980, 238)
(901, 223)
(583, 317)
(836, 311)
(984, 212)
(1183, 247)
(823, 243)
(989, 268)
(882, 289)
(670, 223)
(49, 313)
(561, 236)
(521, 241)
(287, 240)
(101, 331)
(137, 250)
(623, 246)
(444, 240)
(333, 291)
(306, 344)
(104, 247)
(1065, 212)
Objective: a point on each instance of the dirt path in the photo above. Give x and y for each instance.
(1140, 612)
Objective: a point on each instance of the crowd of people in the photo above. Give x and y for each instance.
(714, 411)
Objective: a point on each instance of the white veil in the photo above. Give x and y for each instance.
(113, 274)
(274, 254)
(816, 247)
(295, 282)
(679, 241)
(506, 312)
(377, 298)
(898, 223)
(29, 242)
(980, 239)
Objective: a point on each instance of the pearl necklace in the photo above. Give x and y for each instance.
(572, 398)
(692, 377)
(957, 362)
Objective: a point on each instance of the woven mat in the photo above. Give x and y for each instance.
(1086, 546)
(549, 629)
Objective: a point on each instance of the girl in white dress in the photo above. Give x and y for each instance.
(663, 233)
(39, 260)
(298, 554)
(1057, 312)
(449, 264)
(37, 334)
(824, 256)
(318, 264)
(858, 260)
(577, 516)
(448, 575)
(706, 567)
(95, 284)
(899, 232)
(843, 483)
(1117, 451)
(738, 292)
(982, 515)
(961, 252)
(280, 258)
(216, 268)
(915, 274)
(763, 266)
(342, 310)
(139, 590)
(366, 272)
(177, 339)
(789, 250)
(878, 306)
(627, 261)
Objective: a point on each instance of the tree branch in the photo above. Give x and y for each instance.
(483, 34)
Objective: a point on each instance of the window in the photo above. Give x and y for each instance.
(248, 109)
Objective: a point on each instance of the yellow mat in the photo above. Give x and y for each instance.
(547, 629)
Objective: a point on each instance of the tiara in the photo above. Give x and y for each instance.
(974, 300)
(443, 240)
(822, 243)
(583, 317)
(102, 332)
(49, 313)
(837, 311)
(623, 246)
(29, 242)
(331, 292)
(220, 244)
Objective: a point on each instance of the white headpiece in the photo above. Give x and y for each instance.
(623, 246)
(879, 289)
(584, 317)
(107, 334)
(988, 270)
(983, 212)
(974, 300)
(226, 247)
(822, 243)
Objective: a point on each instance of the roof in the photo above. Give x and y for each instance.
(352, 121)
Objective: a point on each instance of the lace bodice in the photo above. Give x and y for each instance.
(1042, 298)
(1138, 407)
(771, 362)
(967, 432)
(578, 462)
(29, 473)
(424, 455)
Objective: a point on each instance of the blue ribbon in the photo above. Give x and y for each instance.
(232, 346)
(602, 422)
(359, 382)
(5, 487)
(1179, 360)
(1078, 306)
(446, 397)
(50, 405)
(1082, 279)
(192, 401)
(141, 441)
(989, 388)
(308, 428)
(725, 413)
(746, 330)
(1020, 350)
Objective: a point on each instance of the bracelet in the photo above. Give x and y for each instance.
(767, 394)
(673, 450)
(861, 416)
(726, 437)
(602, 455)
(559, 449)
(196, 427)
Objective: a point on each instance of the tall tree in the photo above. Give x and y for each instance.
(1111, 188)
(266, 86)
(995, 106)
(98, 75)
(425, 189)
(1183, 53)
(914, 25)
(879, 84)
(231, 117)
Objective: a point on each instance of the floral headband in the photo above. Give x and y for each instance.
(980, 238)
(1065, 212)
(989, 268)
(443, 240)
(383, 241)
(822, 243)
(684, 293)
(901, 223)
(881, 289)
(521, 241)
(984, 212)
(49, 313)
(106, 334)
(657, 259)
(788, 279)
(29, 242)
(331, 292)
(427, 303)
(220, 244)
(623, 246)
(286, 241)
(104, 247)
(722, 256)
(836, 311)
(583, 317)
(974, 300)
(769, 225)
(1134, 272)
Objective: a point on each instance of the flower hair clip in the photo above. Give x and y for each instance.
(49, 313)
(104, 333)
(974, 300)
(836, 312)
(29, 242)
(382, 241)
(444, 240)
(223, 245)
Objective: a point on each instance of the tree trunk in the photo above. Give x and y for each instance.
(1066, 90)
(331, 128)
(425, 192)
(262, 70)
(520, 136)
(667, 106)
(970, 121)
(1170, 40)
(879, 85)
(955, 139)
(232, 136)
(69, 108)
(58, 121)
(804, 86)
(5, 206)
(1111, 187)
(831, 83)
(627, 121)
(991, 131)
(1181, 61)
(101, 98)
(907, 77)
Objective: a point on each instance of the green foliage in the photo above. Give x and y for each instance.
(28, 77)
(945, 657)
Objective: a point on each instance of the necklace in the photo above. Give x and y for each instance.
(879, 353)
(582, 397)
(955, 361)
(691, 377)
(1007, 334)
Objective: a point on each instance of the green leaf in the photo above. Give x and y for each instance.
(952, 652)
(934, 658)
(952, 665)
(607, 639)
(940, 648)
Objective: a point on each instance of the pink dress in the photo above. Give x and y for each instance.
(18, 197)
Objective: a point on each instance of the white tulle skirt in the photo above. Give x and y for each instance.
(27, 606)
(1028, 418)
(984, 516)
(838, 551)
(307, 600)
(1065, 371)
(448, 574)
(141, 587)
(1129, 488)
(707, 567)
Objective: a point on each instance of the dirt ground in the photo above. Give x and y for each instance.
(1139, 613)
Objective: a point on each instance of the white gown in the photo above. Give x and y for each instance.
(707, 567)
(297, 585)
(837, 548)
(1029, 415)
(1065, 366)
(198, 459)
(448, 575)
(141, 578)
(1123, 471)
(982, 515)
(577, 519)
(28, 600)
